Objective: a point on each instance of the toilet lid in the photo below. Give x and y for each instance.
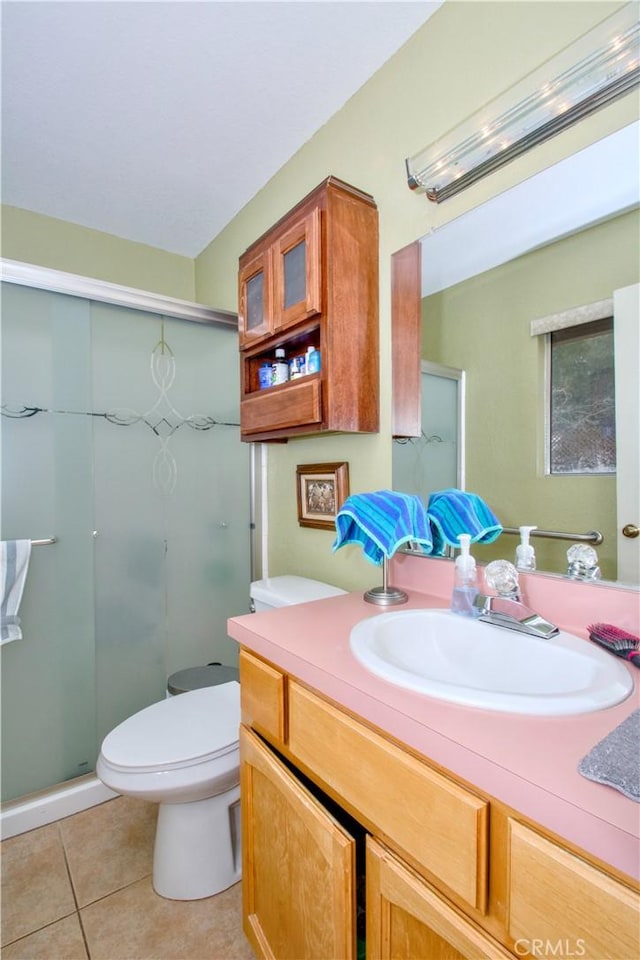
(177, 732)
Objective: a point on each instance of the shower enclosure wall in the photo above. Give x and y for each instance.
(120, 439)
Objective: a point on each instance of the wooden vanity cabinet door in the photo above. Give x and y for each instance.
(557, 898)
(429, 817)
(407, 919)
(262, 697)
(298, 864)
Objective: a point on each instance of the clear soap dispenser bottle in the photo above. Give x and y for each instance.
(525, 554)
(465, 587)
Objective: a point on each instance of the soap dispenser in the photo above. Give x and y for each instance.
(465, 588)
(525, 554)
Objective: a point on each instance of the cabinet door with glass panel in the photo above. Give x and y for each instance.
(281, 285)
(255, 314)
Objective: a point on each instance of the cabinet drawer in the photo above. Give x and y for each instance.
(555, 897)
(294, 404)
(262, 697)
(441, 825)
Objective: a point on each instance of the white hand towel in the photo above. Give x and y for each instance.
(14, 563)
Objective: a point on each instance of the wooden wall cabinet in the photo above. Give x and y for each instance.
(312, 280)
(439, 883)
(406, 341)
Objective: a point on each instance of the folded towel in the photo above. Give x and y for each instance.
(14, 562)
(614, 761)
(381, 522)
(452, 512)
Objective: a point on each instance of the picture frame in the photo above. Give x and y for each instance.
(322, 489)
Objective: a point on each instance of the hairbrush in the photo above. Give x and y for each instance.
(618, 641)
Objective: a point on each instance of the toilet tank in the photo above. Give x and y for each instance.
(287, 590)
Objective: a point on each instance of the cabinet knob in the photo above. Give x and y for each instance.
(630, 530)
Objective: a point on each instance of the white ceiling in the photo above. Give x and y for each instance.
(158, 121)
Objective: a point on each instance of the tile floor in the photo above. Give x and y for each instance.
(80, 889)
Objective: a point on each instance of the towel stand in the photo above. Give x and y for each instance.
(386, 595)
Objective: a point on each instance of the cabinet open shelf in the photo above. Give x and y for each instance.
(294, 346)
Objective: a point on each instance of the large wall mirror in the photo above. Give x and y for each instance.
(529, 321)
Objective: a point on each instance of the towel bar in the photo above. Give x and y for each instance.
(592, 536)
(44, 543)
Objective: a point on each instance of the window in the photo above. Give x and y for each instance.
(582, 424)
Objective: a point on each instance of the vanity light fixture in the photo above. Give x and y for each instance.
(599, 67)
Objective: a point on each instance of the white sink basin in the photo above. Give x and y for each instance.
(477, 664)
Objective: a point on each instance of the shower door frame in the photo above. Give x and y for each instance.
(26, 813)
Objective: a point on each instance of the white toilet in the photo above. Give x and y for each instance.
(182, 753)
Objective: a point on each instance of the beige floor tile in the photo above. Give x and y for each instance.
(61, 940)
(109, 846)
(35, 884)
(137, 924)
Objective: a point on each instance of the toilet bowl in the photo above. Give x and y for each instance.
(182, 753)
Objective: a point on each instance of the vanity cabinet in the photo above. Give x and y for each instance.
(448, 872)
(312, 281)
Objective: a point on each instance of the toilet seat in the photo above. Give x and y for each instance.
(182, 731)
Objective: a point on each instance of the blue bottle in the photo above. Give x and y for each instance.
(313, 360)
(265, 375)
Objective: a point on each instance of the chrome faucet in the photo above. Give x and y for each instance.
(506, 609)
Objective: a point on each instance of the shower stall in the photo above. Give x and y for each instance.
(121, 452)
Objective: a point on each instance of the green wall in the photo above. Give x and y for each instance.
(466, 54)
(48, 242)
(483, 327)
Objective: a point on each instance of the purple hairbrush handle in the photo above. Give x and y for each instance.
(634, 657)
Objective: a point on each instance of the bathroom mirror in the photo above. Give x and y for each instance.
(564, 239)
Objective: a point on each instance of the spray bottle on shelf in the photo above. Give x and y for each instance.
(465, 587)
(525, 554)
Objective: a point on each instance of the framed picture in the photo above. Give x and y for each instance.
(322, 489)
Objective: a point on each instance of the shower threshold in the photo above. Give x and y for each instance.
(55, 803)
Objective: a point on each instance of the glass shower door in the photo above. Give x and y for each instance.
(171, 503)
(48, 676)
(121, 439)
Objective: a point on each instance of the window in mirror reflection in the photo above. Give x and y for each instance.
(582, 434)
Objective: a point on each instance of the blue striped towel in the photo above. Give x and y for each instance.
(381, 522)
(14, 562)
(452, 512)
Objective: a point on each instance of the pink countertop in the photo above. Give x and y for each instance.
(529, 763)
